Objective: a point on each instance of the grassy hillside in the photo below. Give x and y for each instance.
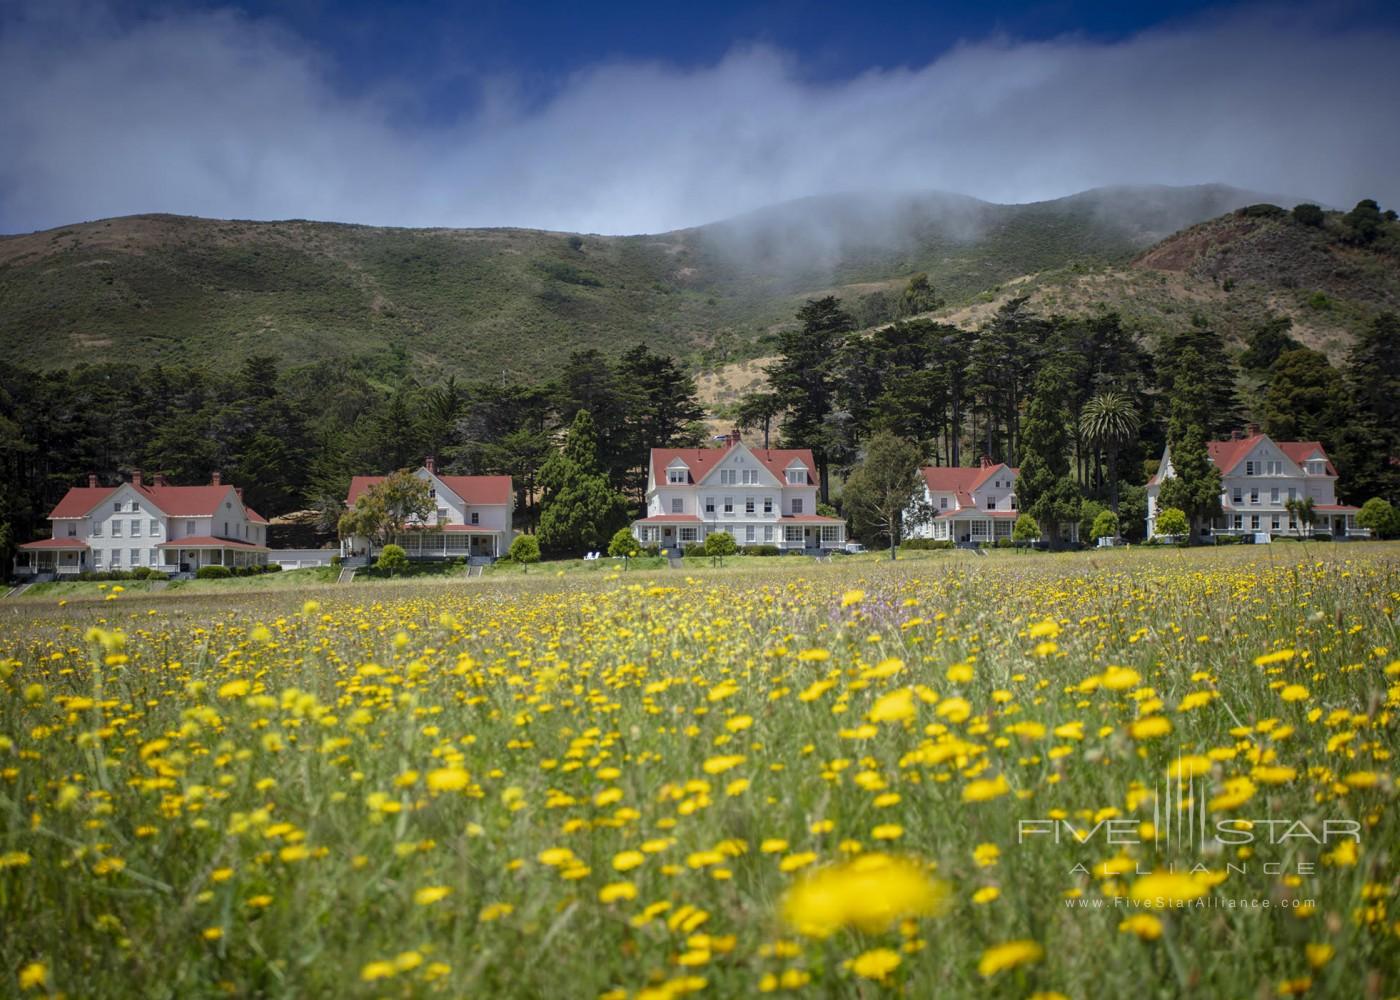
(182, 290)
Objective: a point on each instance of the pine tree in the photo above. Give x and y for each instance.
(580, 510)
(803, 376)
(1044, 487)
(1194, 484)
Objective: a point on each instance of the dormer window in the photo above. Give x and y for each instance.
(676, 477)
(942, 503)
(1249, 468)
(797, 477)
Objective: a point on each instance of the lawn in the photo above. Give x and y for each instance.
(1156, 772)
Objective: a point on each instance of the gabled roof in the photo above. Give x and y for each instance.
(1228, 454)
(962, 480)
(173, 501)
(477, 491)
(701, 461)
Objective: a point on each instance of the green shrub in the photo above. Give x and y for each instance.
(525, 550)
(623, 544)
(1105, 525)
(721, 543)
(1172, 521)
(392, 559)
(336, 560)
(762, 550)
(652, 549)
(213, 573)
(1381, 517)
(690, 549)
(1308, 214)
(925, 544)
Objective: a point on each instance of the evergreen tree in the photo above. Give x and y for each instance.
(1305, 399)
(1044, 487)
(664, 412)
(1213, 378)
(803, 376)
(1194, 484)
(580, 510)
(1368, 449)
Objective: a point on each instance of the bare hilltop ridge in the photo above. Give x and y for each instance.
(162, 289)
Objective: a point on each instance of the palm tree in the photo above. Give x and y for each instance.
(1302, 512)
(1109, 421)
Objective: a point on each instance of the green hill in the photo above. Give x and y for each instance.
(1232, 272)
(179, 290)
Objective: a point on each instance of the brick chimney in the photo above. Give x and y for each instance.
(1253, 429)
(239, 491)
(216, 478)
(161, 480)
(430, 464)
(1236, 435)
(986, 461)
(136, 478)
(92, 480)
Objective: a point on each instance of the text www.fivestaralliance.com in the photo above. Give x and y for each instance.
(1205, 903)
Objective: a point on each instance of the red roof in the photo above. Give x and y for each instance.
(960, 479)
(477, 491)
(253, 515)
(701, 461)
(56, 543)
(1228, 454)
(1336, 507)
(174, 501)
(210, 542)
(670, 519)
(809, 519)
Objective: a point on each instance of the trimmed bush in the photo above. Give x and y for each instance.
(623, 544)
(213, 573)
(762, 550)
(525, 550)
(924, 544)
(721, 543)
(690, 549)
(1172, 521)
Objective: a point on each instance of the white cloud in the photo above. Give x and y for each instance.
(213, 114)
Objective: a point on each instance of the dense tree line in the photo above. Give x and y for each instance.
(1080, 404)
(293, 438)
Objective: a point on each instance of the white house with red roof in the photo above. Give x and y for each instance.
(975, 504)
(472, 516)
(167, 528)
(1258, 477)
(761, 496)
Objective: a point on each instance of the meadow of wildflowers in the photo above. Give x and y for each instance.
(1148, 773)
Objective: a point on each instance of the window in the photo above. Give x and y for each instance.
(135, 527)
(117, 506)
(1275, 524)
(979, 529)
(116, 557)
(1013, 503)
(116, 529)
(97, 557)
(942, 503)
(797, 477)
(767, 505)
(677, 505)
(709, 505)
(432, 492)
(476, 517)
(96, 529)
(1273, 497)
(1254, 496)
(72, 530)
(729, 505)
(1249, 468)
(1239, 521)
(1275, 468)
(831, 532)
(727, 477)
(689, 534)
(797, 505)
(1293, 493)
(155, 528)
(793, 533)
(1237, 496)
(767, 532)
(133, 506)
(676, 477)
(189, 527)
(750, 533)
(991, 503)
(135, 557)
(749, 505)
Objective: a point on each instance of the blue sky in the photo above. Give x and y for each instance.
(645, 117)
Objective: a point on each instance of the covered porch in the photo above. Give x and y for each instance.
(812, 531)
(669, 531)
(187, 555)
(986, 526)
(52, 557)
(451, 541)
